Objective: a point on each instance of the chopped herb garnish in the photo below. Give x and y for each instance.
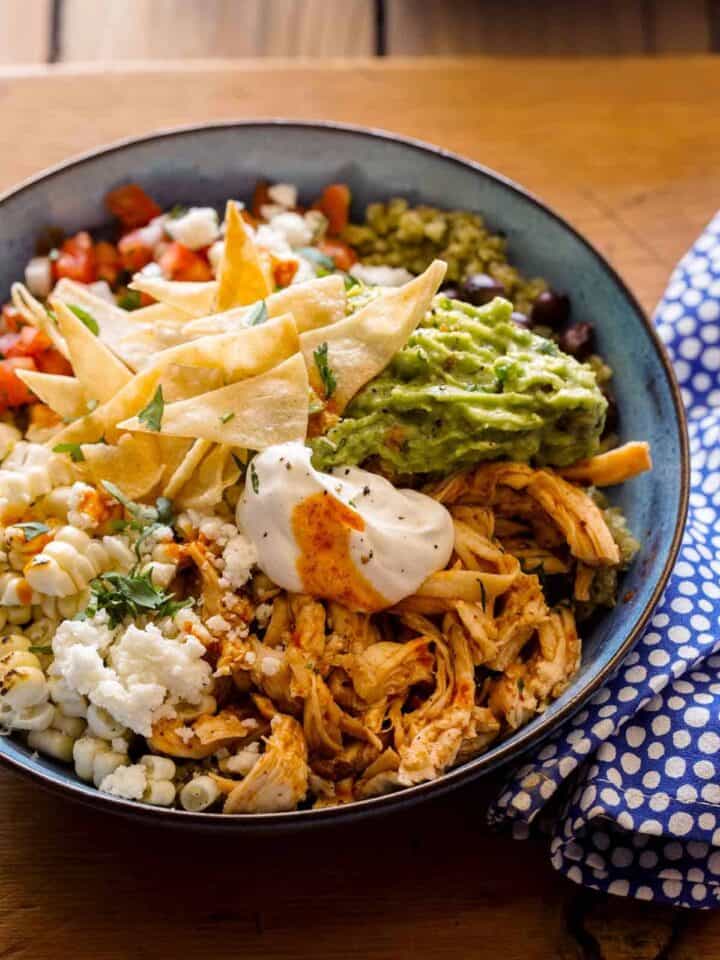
(87, 318)
(257, 315)
(350, 281)
(43, 648)
(254, 479)
(31, 530)
(548, 347)
(130, 300)
(521, 684)
(226, 417)
(326, 374)
(74, 449)
(177, 211)
(153, 412)
(131, 596)
(320, 259)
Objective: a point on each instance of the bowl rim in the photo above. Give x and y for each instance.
(527, 737)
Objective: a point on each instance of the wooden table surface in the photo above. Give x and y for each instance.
(629, 151)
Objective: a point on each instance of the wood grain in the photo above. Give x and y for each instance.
(173, 29)
(629, 150)
(24, 31)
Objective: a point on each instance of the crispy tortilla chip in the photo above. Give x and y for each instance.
(314, 303)
(33, 312)
(206, 485)
(193, 299)
(254, 413)
(242, 276)
(132, 464)
(111, 319)
(184, 471)
(64, 395)
(97, 368)
(362, 345)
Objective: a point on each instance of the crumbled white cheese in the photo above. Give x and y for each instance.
(101, 289)
(213, 528)
(217, 624)
(250, 657)
(215, 255)
(38, 276)
(283, 194)
(239, 556)
(197, 228)
(293, 228)
(152, 270)
(380, 276)
(128, 782)
(130, 672)
(151, 234)
(263, 612)
(186, 734)
(243, 761)
(159, 535)
(270, 666)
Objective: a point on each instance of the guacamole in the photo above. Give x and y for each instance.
(469, 385)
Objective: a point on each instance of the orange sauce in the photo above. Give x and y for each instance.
(322, 527)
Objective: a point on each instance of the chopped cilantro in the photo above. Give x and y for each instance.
(549, 348)
(350, 281)
(226, 417)
(254, 479)
(130, 300)
(43, 648)
(177, 211)
(257, 315)
(31, 530)
(153, 412)
(326, 374)
(131, 596)
(87, 318)
(74, 449)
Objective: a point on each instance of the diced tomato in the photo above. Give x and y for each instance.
(341, 253)
(13, 392)
(11, 318)
(134, 251)
(76, 260)
(108, 264)
(28, 342)
(334, 202)
(180, 263)
(52, 361)
(132, 206)
(284, 271)
(260, 198)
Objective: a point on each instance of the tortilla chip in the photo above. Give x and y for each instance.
(242, 277)
(111, 319)
(185, 470)
(64, 395)
(97, 368)
(314, 303)
(253, 413)
(205, 488)
(361, 346)
(194, 299)
(132, 464)
(34, 313)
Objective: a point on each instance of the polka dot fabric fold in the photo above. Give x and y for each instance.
(637, 773)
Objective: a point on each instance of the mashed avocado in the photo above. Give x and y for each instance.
(469, 385)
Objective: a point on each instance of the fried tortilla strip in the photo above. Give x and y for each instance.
(34, 313)
(101, 374)
(112, 320)
(213, 475)
(242, 276)
(279, 779)
(615, 466)
(254, 413)
(194, 299)
(186, 468)
(132, 464)
(64, 395)
(362, 345)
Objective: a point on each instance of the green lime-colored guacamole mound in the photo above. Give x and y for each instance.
(469, 385)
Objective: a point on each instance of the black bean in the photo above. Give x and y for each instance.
(520, 320)
(480, 288)
(551, 309)
(578, 340)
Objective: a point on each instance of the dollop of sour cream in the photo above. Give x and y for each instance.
(348, 535)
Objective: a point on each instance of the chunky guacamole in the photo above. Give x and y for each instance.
(470, 385)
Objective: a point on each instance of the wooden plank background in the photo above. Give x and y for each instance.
(41, 31)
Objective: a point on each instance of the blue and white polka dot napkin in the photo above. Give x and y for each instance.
(638, 771)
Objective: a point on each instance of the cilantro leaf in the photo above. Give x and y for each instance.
(87, 318)
(153, 412)
(257, 315)
(132, 596)
(317, 257)
(31, 530)
(130, 300)
(40, 649)
(350, 281)
(226, 417)
(254, 479)
(177, 211)
(74, 449)
(326, 374)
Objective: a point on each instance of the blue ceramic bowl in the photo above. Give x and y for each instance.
(209, 164)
